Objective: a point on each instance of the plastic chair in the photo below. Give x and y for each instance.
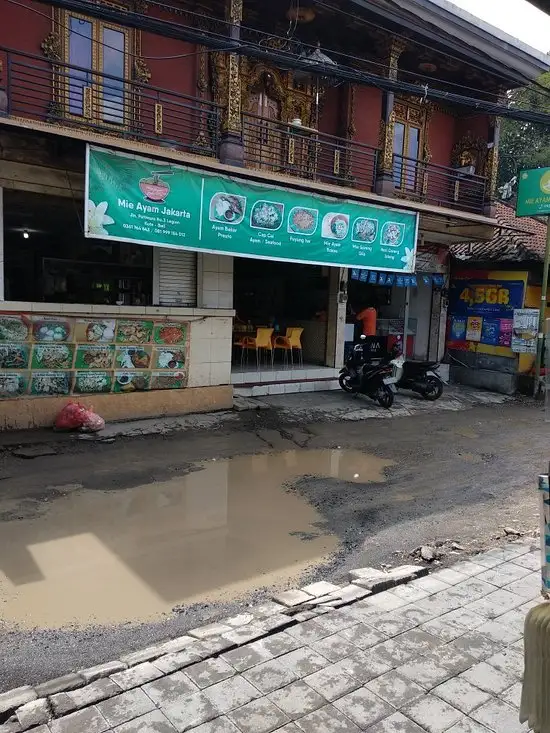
(262, 340)
(290, 341)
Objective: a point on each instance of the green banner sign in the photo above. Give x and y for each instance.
(533, 192)
(135, 199)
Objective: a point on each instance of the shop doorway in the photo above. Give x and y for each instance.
(281, 316)
(48, 259)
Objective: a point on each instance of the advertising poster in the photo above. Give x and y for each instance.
(524, 331)
(481, 313)
(130, 198)
(48, 356)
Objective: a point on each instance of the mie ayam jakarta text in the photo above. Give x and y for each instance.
(148, 209)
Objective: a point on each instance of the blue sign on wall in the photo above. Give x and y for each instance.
(496, 298)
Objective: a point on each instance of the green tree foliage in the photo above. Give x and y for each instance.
(524, 144)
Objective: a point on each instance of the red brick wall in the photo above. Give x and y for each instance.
(368, 110)
(441, 138)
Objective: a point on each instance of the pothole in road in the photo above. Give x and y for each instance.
(132, 555)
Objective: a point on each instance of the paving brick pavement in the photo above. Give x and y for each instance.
(440, 655)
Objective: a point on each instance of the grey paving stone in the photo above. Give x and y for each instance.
(394, 623)
(331, 682)
(425, 672)
(469, 568)
(268, 608)
(101, 670)
(468, 619)
(487, 559)
(136, 676)
(204, 632)
(270, 675)
(125, 707)
(62, 704)
(308, 632)
(405, 646)
(89, 720)
(289, 728)
(328, 720)
(433, 714)
(449, 576)
(94, 692)
(304, 661)
(190, 711)
(277, 644)
(13, 699)
(499, 717)
(461, 694)
(209, 672)
(500, 632)
(529, 561)
(418, 614)
(472, 589)
(168, 689)
(514, 619)
(396, 723)
(335, 621)
(451, 658)
(409, 593)
(231, 694)
(143, 655)
(178, 644)
(154, 722)
(208, 647)
(246, 656)
(430, 585)
(504, 574)
(476, 645)
(386, 601)
(495, 604)
(527, 587)
(291, 598)
(258, 716)
(444, 628)
(35, 712)
(395, 689)
(177, 660)
(440, 603)
(333, 647)
(467, 725)
(513, 695)
(59, 684)
(488, 678)
(362, 667)
(321, 588)
(363, 707)
(297, 699)
(362, 636)
(219, 725)
(11, 725)
(509, 661)
(246, 634)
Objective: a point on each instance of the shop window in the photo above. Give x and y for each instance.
(408, 134)
(93, 85)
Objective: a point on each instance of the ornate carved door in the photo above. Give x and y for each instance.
(263, 132)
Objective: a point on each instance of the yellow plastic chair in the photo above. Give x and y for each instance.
(261, 341)
(290, 341)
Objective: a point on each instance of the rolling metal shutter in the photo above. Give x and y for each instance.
(176, 277)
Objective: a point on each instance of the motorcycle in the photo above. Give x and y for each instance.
(418, 376)
(360, 376)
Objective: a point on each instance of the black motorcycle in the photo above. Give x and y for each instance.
(361, 376)
(418, 376)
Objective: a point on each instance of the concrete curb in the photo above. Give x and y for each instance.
(27, 707)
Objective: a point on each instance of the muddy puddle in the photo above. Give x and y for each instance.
(227, 528)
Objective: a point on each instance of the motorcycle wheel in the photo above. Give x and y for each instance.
(433, 389)
(384, 397)
(344, 382)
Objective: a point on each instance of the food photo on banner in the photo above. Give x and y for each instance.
(481, 313)
(130, 198)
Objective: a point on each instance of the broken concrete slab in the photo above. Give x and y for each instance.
(13, 699)
(291, 598)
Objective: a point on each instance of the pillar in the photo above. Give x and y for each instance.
(2, 269)
(231, 146)
(491, 169)
(336, 316)
(384, 177)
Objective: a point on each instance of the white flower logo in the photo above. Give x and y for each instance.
(98, 219)
(408, 259)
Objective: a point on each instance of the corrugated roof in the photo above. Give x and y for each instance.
(507, 244)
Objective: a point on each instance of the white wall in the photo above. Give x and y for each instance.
(210, 351)
(214, 281)
(420, 307)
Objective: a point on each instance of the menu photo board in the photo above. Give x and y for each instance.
(44, 355)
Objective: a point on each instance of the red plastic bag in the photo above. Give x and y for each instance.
(71, 417)
(93, 422)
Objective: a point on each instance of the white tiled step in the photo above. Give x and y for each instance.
(260, 390)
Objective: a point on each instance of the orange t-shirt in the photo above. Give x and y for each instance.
(368, 319)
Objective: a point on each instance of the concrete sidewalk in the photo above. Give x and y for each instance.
(442, 653)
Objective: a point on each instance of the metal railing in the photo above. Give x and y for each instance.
(300, 151)
(52, 91)
(439, 185)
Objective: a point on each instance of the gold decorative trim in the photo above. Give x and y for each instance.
(158, 118)
(52, 47)
(142, 72)
(470, 150)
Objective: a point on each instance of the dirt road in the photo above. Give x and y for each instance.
(106, 548)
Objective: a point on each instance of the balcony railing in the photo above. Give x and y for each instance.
(300, 151)
(73, 96)
(439, 185)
